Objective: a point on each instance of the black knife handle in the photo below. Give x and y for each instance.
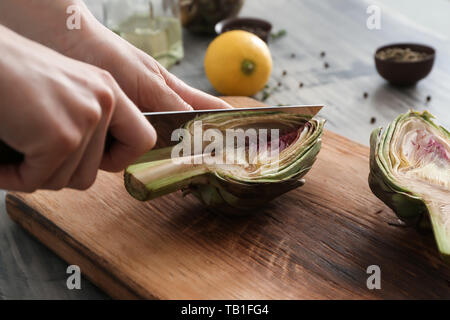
(8, 155)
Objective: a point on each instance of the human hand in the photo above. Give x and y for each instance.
(141, 77)
(57, 112)
(149, 85)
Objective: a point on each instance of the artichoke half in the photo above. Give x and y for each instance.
(410, 172)
(253, 179)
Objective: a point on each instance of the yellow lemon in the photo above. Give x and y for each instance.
(238, 63)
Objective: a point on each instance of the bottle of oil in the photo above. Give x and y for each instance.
(151, 25)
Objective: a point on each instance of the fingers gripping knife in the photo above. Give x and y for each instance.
(166, 122)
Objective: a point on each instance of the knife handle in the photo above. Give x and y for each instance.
(8, 155)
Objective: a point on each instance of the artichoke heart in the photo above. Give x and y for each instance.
(237, 176)
(410, 172)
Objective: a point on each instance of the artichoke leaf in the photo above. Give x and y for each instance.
(410, 172)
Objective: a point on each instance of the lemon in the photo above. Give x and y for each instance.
(238, 63)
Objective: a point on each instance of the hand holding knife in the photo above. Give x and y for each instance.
(166, 122)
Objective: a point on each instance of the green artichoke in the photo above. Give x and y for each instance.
(410, 172)
(242, 185)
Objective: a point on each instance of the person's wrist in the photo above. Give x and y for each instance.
(81, 25)
(59, 25)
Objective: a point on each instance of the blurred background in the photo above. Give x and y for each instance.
(324, 52)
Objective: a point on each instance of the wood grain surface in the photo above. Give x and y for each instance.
(314, 242)
(337, 27)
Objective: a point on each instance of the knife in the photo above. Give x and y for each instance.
(165, 122)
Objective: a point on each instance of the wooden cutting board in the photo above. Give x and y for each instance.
(314, 242)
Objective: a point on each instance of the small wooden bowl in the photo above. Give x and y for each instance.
(261, 28)
(405, 73)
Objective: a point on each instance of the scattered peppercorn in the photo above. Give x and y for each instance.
(284, 73)
(300, 85)
(366, 95)
(373, 120)
(326, 65)
(292, 55)
(428, 98)
(279, 84)
(322, 54)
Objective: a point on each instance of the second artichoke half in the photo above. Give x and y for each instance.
(410, 172)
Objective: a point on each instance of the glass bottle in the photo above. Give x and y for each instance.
(151, 25)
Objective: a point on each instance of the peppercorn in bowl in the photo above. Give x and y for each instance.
(404, 63)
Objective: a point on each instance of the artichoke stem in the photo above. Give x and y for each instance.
(153, 179)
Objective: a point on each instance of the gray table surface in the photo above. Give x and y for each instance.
(28, 270)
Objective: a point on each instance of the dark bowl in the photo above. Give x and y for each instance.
(405, 73)
(201, 16)
(259, 27)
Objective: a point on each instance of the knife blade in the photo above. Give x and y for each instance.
(311, 110)
(166, 122)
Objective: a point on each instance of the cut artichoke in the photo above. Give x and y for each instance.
(240, 186)
(410, 172)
